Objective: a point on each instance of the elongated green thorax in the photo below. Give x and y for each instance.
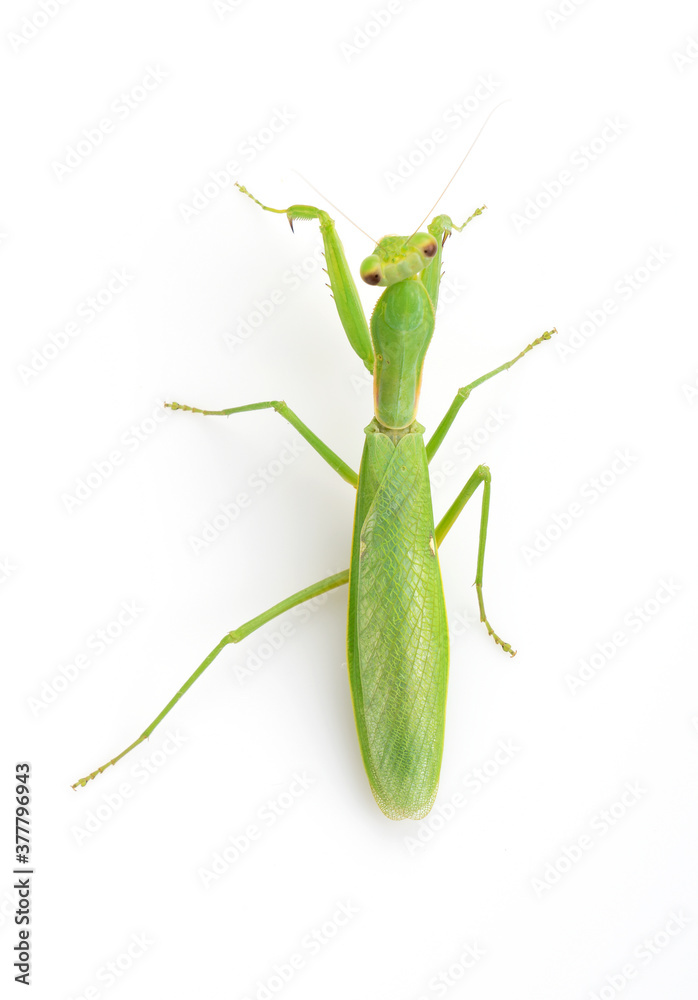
(401, 328)
(402, 324)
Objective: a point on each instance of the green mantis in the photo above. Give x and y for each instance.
(397, 638)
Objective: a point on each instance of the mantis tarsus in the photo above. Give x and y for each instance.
(397, 636)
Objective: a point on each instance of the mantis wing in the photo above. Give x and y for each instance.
(398, 638)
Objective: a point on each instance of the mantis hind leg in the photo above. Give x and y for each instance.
(481, 475)
(237, 635)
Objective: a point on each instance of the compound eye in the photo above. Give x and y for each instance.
(371, 270)
(426, 244)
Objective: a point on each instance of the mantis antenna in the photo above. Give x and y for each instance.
(455, 172)
(335, 206)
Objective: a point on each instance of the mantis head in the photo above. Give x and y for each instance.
(398, 257)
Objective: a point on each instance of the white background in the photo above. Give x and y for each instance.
(123, 857)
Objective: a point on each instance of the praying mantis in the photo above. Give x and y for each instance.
(397, 637)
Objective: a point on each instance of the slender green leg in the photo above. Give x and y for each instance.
(237, 635)
(439, 434)
(442, 227)
(342, 285)
(287, 413)
(481, 475)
